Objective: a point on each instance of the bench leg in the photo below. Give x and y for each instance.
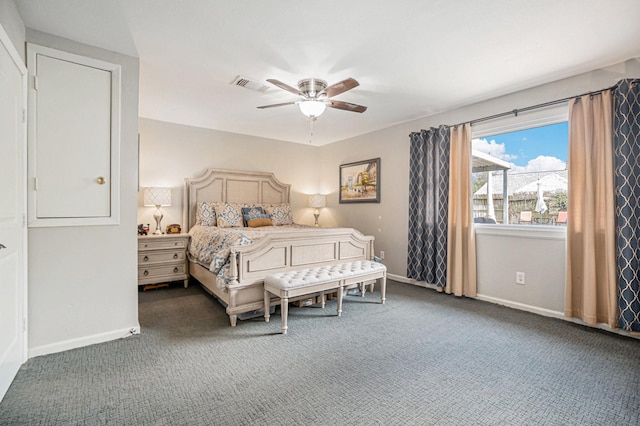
(340, 300)
(267, 303)
(284, 310)
(323, 299)
(383, 288)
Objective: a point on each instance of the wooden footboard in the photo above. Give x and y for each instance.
(279, 253)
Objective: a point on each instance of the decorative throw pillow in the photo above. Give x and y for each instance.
(228, 215)
(206, 214)
(249, 212)
(259, 220)
(280, 214)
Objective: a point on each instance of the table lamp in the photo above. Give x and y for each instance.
(317, 201)
(158, 197)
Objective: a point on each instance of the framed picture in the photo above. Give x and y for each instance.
(360, 182)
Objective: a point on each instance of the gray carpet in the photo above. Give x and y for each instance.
(423, 358)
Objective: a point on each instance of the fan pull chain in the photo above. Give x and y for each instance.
(311, 120)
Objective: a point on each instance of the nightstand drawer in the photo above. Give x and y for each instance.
(161, 243)
(162, 259)
(151, 257)
(177, 270)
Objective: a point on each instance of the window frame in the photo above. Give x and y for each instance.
(540, 117)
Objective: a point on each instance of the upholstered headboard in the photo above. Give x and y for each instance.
(231, 186)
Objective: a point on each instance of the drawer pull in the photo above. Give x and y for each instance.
(175, 255)
(175, 270)
(146, 258)
(175, 244)
(145, 273)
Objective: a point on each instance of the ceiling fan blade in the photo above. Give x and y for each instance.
(277, 105)
(347, 106)
(340, 87)
(284, 86)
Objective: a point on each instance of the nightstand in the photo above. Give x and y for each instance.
(162, 259)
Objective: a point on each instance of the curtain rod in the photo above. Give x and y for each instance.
(546, 104)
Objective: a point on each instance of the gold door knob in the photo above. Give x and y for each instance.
(101, 180)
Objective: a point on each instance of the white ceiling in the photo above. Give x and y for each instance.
(413, 58)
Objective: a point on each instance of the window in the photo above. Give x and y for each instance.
(520, 177)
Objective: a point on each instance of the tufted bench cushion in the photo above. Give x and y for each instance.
(319, 279)
(307, 277)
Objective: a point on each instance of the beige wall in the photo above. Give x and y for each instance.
(83, 279)
(388, 220)
(169, 153)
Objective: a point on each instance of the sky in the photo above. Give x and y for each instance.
(532, 150)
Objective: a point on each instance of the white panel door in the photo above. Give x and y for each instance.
(12, 211)
(73, 139)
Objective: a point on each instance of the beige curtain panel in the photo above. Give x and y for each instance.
(461, 245)
(591, 264)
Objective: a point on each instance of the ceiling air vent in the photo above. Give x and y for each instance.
(249, 84)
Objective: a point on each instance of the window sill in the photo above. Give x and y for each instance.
(541, 232)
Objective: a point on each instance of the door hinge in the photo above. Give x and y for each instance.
(35, 82)
(35, 183)
(24, 115)
(24, 220)
(24, 324)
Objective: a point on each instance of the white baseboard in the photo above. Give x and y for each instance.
(83, 341)
(521, 306)
(509, 303)
(411, 281)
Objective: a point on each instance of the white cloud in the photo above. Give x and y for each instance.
(492, 148)
(541, 163)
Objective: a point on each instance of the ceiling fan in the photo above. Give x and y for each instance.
(315, 96)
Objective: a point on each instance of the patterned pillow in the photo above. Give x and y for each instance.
(280, 214)
(228, 215)
(248, 212)
(206, 215)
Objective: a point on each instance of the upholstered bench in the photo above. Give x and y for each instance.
(320, 279)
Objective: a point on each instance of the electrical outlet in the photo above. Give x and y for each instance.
(520, 278)
(382, 254)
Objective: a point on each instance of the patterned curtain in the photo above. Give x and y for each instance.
(428, 206)
(626, 141)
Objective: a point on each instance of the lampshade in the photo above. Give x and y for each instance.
(157, 196)
(317, 201)
(312, 108)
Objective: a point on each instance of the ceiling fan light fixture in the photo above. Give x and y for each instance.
(312, 108)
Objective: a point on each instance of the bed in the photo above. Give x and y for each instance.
(278, 249)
